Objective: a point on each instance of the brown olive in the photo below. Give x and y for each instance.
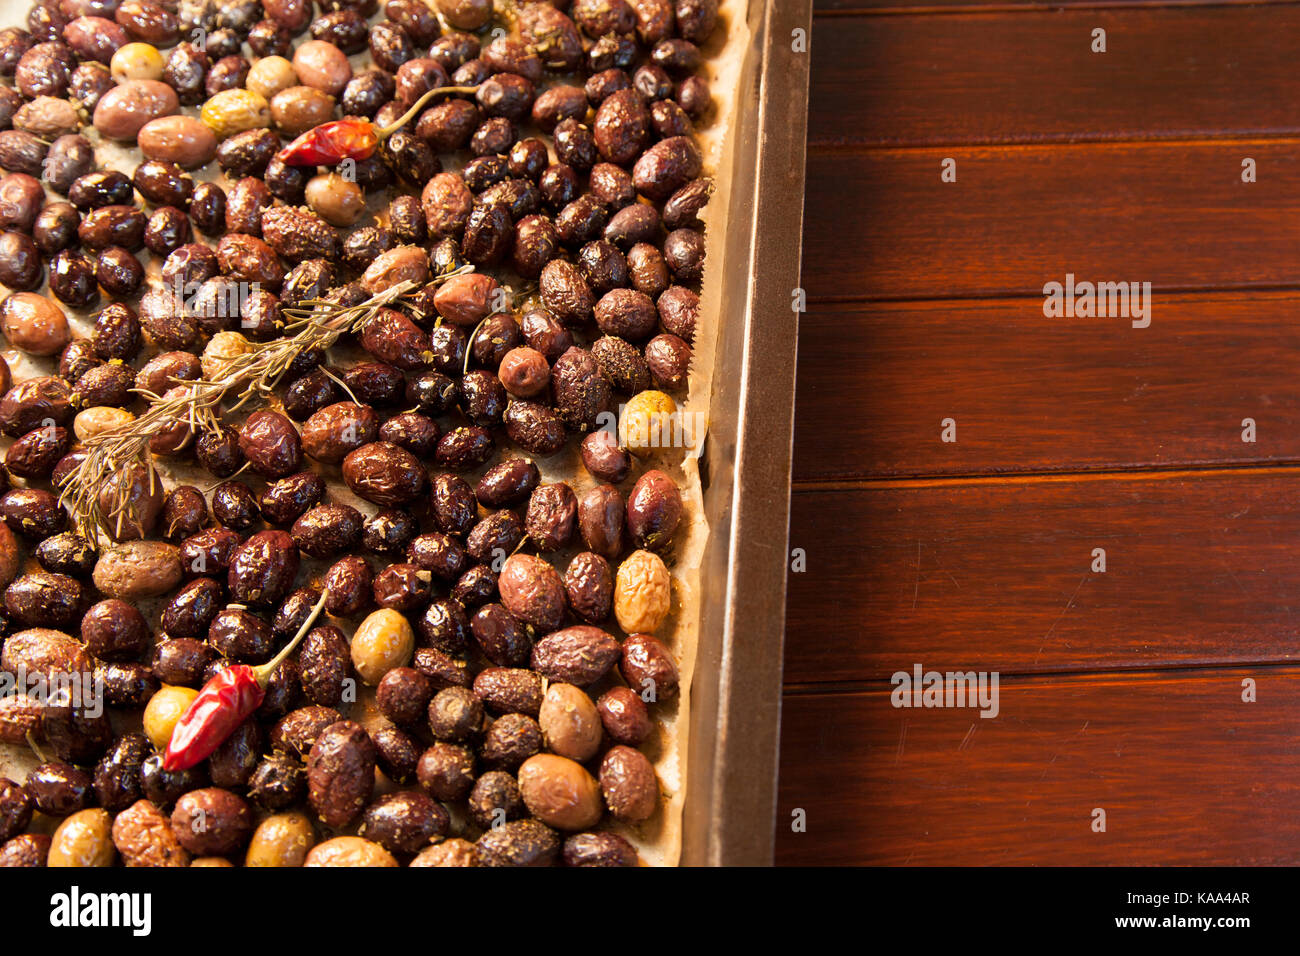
(278, 782)
(34, 455)
(341, 773)
(212, 822)
(128, 685)
(119, 272)
(647, 269)
(403, 696)
(114, 630)
(388, 531)
(648, 667)
(518, 843)
(284, 501)
(191, 612)
(613, 186)
(552, 515)
(234, 506)
(32, 512)
(501, 636)
(330, 434)
(56, 228)
(68, 553)
(181, 661)
(208, 209)
(578, 655)
(398, 754)
(241, 636)
(598, 849)
(324, 666)
(58, 789)
(463, 449)
(41, 599)
(164, 787)
(185, 511)
(624, 716)
(348, 584)
(444, 627)
(263, 568)
(621, 364)
(385, 474)
(404, 822)
(401, 587)
(218, 451)
(327, 530)
(495, 537)
(446, 771)
(511, 740)
(117, 775)
(208, 552)
(271, 444)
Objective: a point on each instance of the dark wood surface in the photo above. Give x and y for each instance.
(1032, 76)
(1119, 690)
(877, 379)
(1174, 214)
(1186, 772)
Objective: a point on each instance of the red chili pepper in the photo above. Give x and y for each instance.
(351, 138)
(332, 143)
(223, 704)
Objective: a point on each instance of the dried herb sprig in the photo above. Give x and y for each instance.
(120, 458)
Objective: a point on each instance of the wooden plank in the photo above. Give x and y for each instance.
(1037, 394)
(882, 225)
(1032, 76)
(1186, 772)
(996, 575)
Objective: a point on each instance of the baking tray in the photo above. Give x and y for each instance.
(729, 816)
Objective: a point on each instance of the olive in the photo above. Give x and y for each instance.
(284, 501)
(191, 612)
(207, 554)
(128, 685)
(327, 530)
(241, 636)
(476, 587)
(59, 789)
(234, 506)
(388, 531)
(218, 451)
(444, 627)
(262, 569)
(164, 787)
(185, 511)
(279, 781)
(117, 775)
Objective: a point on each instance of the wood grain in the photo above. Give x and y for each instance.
(996, 575)
(1031, 76)
(1037, 394)
(1186, 772)
(882, 225)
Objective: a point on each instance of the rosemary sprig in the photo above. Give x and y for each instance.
(115, 457)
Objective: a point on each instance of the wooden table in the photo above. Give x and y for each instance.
(1164, 690)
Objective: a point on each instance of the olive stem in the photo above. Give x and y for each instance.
(385, 131)
(31, 742)
(264, 672)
